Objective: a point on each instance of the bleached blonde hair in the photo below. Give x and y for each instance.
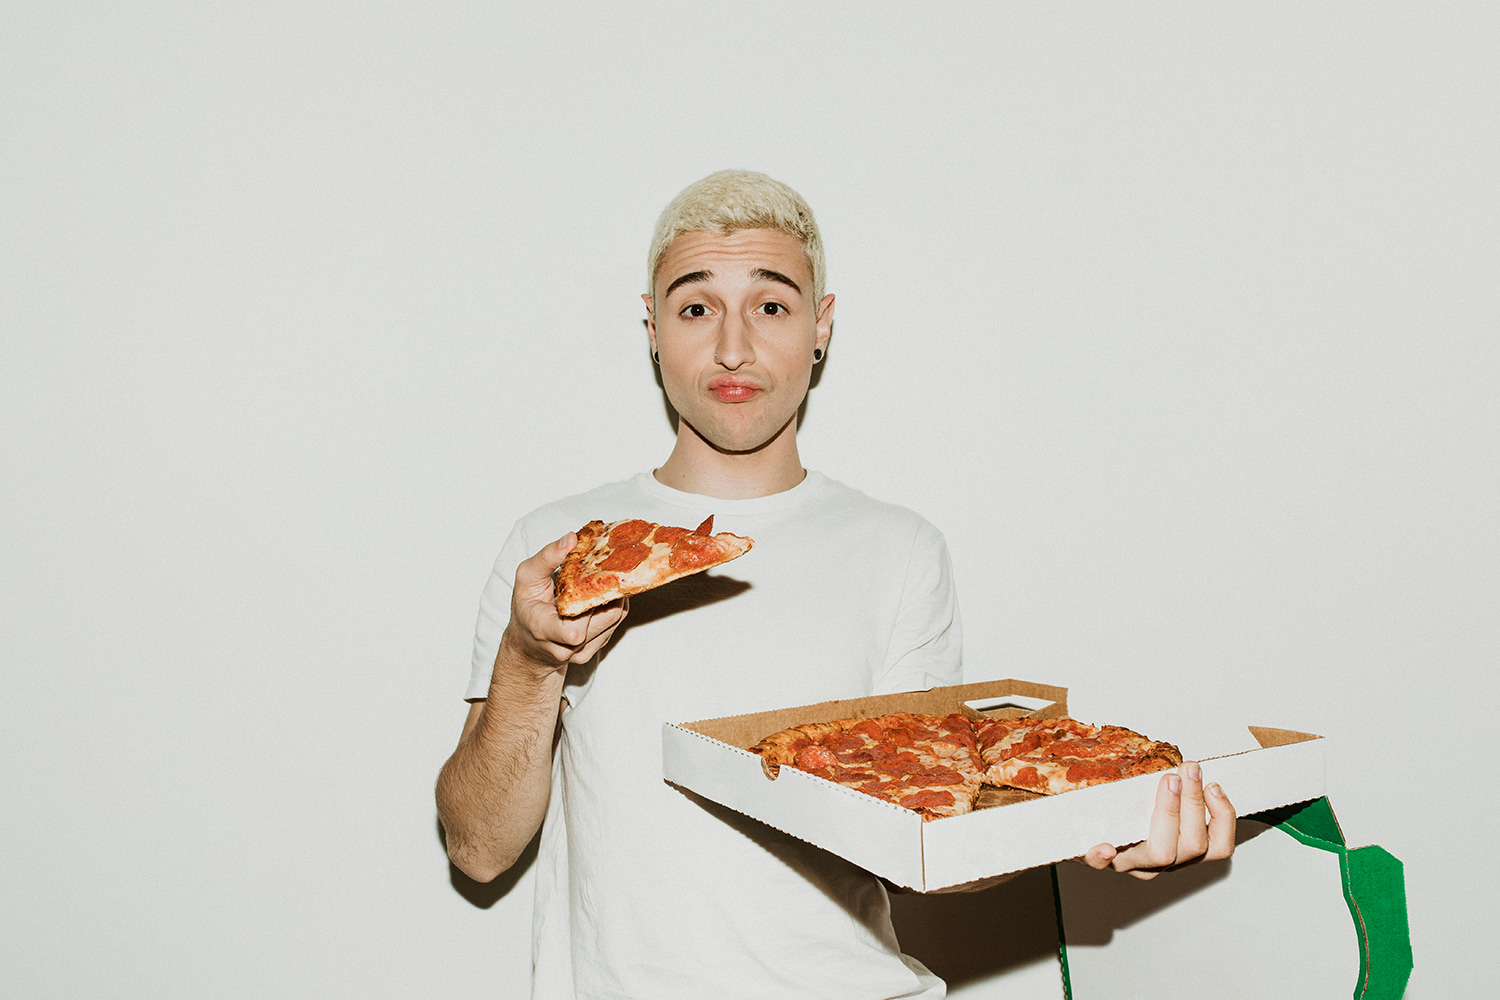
(731, 200)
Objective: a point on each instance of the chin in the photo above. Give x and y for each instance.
(742, 441)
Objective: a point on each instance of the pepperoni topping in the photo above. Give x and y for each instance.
(1092, 771)
(899, 736)
(962, 736)
(629, 532)
(1027, 777)
(935, 776)
(860, 756)
(927, 799)
(625, 558)
(666, 534)
(900, 763)
(1022, 747)
(844, 741)
(809, 758)
(691, 551)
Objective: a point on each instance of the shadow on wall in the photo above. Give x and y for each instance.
(971, 936)
(968, 937)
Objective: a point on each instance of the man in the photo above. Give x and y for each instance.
(644, 890)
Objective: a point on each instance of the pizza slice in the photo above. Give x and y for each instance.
(627, 557)
(1058, 755)
(926, 763)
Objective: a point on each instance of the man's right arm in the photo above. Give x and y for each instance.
(492, 793)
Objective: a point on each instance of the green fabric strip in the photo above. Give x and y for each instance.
(1374, 885)
(1374, 889)
(1062, 937)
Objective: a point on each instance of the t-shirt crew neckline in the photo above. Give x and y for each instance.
(655, 488)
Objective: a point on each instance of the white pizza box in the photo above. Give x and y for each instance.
(1009, 831)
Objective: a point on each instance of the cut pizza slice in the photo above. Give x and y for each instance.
(927, 763)
(1058, 755)
(628, 557)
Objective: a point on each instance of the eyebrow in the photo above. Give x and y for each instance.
(759, 274)
(687, 279)
(766, 274)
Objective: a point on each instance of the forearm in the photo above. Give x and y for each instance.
(492, 793)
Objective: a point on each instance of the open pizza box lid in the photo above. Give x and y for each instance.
(1008, 831)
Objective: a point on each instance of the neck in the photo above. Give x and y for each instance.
(695, 466)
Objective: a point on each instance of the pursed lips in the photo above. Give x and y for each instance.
(732, 389)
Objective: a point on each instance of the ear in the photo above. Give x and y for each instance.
(650, 321)
(824, 323)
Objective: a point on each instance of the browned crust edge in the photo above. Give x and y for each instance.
(570, 576)
(781, 748)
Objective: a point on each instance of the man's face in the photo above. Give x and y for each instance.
(735, 327)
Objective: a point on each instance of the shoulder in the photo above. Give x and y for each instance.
(609, 502)
(863, 513)
(549, 522)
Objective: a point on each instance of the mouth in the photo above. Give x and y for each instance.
(732, 389)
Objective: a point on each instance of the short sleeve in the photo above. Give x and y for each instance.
(494, 611)
(926, 646)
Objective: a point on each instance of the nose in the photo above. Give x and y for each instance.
(734, 349)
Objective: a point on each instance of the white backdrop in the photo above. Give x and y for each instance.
(1178, 319)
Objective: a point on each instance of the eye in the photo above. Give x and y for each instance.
(773, 308)
(696, 309)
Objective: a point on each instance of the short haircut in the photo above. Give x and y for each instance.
(729, 201)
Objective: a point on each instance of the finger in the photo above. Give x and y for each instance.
(1159, 849)
(600, 625)
(1221, 824)
(1099, 856)
(1166, 822)
(1192, 837)
(579, 631)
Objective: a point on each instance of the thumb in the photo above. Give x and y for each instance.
(537, 571)
(557, 552)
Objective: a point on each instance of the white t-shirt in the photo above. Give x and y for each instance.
(647, 891)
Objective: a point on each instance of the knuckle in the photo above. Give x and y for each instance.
(1193, 843)
(1160, 857)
